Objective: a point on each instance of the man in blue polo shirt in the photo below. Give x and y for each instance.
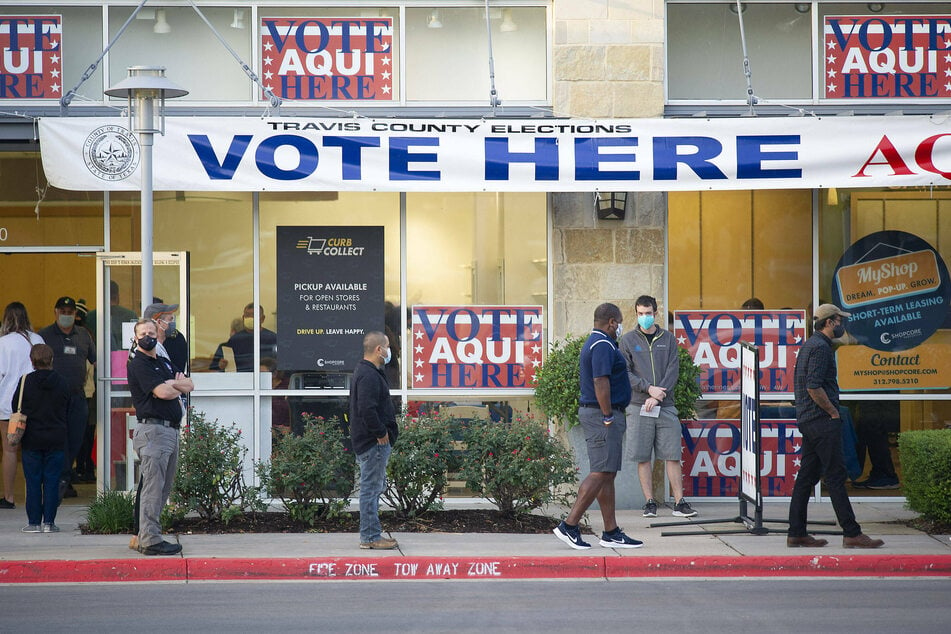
(605, 393)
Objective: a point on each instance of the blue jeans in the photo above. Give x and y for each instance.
(372, 483)
(41, 470)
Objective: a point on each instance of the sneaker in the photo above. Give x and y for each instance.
(384, 543)
(650, 509)
(6, 504)
(682, 509)
(861, 541)
(882, 483)
(31, 528)
(617, 539)
(571, 536)
(161, 548)
(50, 528)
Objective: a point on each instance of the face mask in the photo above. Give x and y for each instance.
(171, 326)
(249, 323)
(147, 342)
(646, 322)
(838, 330)
(619, 331)
(387, 356)
(66, 321)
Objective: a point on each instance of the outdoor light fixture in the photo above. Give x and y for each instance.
(161, 24)
(741, 10)
(238, 21)
(433, 21)
(803, 7)
(508, 24)
(610, 205)
(145, 86)
(875, 7)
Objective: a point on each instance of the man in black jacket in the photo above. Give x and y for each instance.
(373, 429)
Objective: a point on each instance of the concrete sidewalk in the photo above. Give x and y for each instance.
(69, 556)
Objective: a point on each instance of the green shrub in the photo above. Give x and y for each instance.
(517, 466)
(557, 381)
(421, 458)
(687, 391)
(926, 472)
(313, 474)
(210, 479)
(111, 512)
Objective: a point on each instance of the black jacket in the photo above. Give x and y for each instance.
(371, 409)
(45, 400)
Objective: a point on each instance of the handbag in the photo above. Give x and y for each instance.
(17, 424)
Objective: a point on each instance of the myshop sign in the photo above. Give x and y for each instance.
(252, 154)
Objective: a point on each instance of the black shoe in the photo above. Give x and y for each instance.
(70, 492)
(161, 548)
(6, 504)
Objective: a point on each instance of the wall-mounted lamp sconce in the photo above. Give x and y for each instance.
(162, 27)
(875, 7)
(742, 8)
(434, 22)
(803, 7)
(610, 205)
(508, 23)
(238, 21)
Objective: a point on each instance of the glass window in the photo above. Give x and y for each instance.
(705, 53)
(447, 54)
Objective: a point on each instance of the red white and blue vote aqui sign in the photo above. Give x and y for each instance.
(31, 56)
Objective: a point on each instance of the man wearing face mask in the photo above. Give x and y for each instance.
(157, 390)
(242, 343)
(817, 414)
(171, 342)
(653, 367)
(72, 346)
(373, 430)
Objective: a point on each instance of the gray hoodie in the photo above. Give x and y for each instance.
(656, 363)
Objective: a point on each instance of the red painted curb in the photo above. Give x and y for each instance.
(398, 568)
(383, 568)
(93, 570)
(785, 566)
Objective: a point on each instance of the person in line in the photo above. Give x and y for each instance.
(157, 388)
(653, 365)
(118, 315)
(242, 342)
(373, 430)
(605, 392)
(85, 470)
(45, 402)
(16, 340)
(817, 414)
(72, 347)
(172, 344)
(218, 361)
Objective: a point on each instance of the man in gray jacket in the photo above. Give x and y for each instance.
(653, 366)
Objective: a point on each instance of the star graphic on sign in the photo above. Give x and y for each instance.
(797, 462)
(268, 75)
(796, 448)
(536, 349)
(831, 59)
(268, 87)
(418, 333)
(267, 61)
(55, 87)
(54, 73)
(418, 349)
(681, 340)
(536, 363)
(947, 58)
(830, 44)
(419, 363)
(797, 339)
(385, 75)
(54, 59)
(418, 377)
(947, 72)
(831, 73)
(947, 87)
(385, 90)
(385, 60)
(268, 46)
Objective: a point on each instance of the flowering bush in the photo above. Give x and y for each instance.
(517, 466)
(557, 382)
(416, 472)
(313, 474)
(210, 478)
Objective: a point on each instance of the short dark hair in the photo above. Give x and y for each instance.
(373, 339)
(41, 355)
(645, 301)
(753, 303)
(605, 312)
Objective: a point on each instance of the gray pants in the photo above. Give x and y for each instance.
(157, 448)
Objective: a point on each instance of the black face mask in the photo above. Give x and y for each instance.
(147, 342)
(839, 329)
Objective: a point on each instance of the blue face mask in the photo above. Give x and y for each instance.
(388, 356)
(646, 322)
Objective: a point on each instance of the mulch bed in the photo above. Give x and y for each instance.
(449, 521)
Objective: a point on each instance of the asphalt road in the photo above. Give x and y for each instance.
(663, 605)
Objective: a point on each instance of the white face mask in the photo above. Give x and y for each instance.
(388, 356)
(620, 330)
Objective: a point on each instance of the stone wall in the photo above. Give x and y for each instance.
(607, 63)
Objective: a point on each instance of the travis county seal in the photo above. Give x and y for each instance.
(111, 153)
